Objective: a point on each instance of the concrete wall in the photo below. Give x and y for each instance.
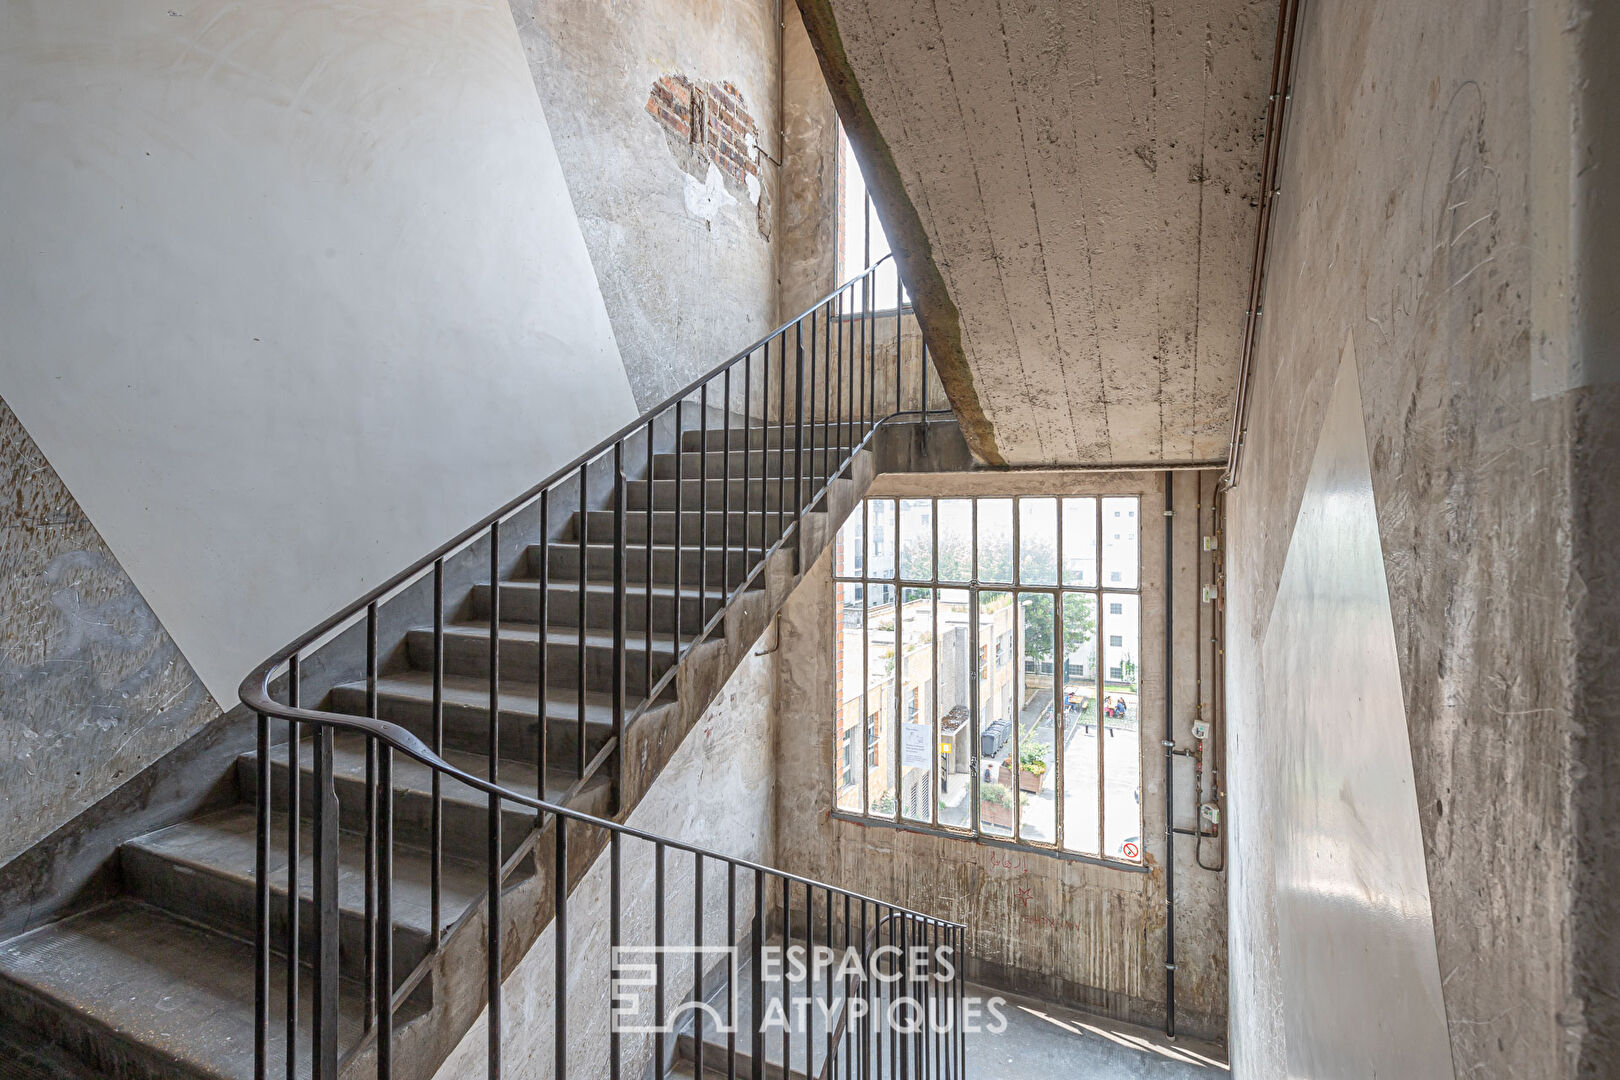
(806, 256)
(92, 688)
(683, 250)
(1062, 930)
(281, 319)
(1435, 224)
(716, 791)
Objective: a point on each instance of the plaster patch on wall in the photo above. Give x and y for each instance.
(716, 143)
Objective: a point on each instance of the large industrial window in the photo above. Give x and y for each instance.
(861, 241)
(967, 665)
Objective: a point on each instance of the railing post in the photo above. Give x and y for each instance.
(261, 908)
(324, 1036)
(798, 433)
(619, 623)
(385, 912)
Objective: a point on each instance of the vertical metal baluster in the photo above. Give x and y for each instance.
(781, 436)
(647, 585)
(756, 980)
(725, 502)
(786, 996)
(494, 848)
(697, 961)
(899, 375)
(798, 424)
(560, 961)
(869, 984)
(892, 1035)
(764, 442)
(620, 624)
(828, 461)
(659, 1062)
(748, 457)
(370, 949)
(385, 911)
(831, 1057)
(680, 478)
(703, 513)
(542, 693)
(261, 907)
(809, 972)
(324, 1032)
(615, 939)
(295, 784)
(436, 812)
(731, 966)
(583, 612)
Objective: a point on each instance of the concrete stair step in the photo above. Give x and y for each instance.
(563, 557)
(464, 810)
(750, 461)
(467, 652)
(520, 602)
(136, 993)
(406, 698)
(715, 526)
(202, 870)
(715, 493)
(27, 1056)
(816, 433)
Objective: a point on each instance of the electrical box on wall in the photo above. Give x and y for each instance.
(1210, 594)
(1210, 813)
(1200, 729)
(1210, 543)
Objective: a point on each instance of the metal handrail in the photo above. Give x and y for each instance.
(855, 419)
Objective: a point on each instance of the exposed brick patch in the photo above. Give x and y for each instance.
(713, 121)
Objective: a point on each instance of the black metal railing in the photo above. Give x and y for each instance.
(795, 408)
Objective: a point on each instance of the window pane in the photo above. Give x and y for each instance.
(849, 612)
(1037, 541)
(951, 659)
(955, 539)
(916, 539)
(1036, 777)
(1119, 546)
(997, 689)
(1080, 723)
(1122, 748)
(880, 537)
(851, 548)
(880, 701)
(995, 540)
(918, 750)
(1080, 542)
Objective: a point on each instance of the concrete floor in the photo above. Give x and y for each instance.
(1043, 1040)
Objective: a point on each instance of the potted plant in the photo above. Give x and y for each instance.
(995, 805)
(1031, 768)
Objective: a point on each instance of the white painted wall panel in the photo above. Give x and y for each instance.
(292, 291)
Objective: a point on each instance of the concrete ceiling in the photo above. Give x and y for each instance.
(1072, 189)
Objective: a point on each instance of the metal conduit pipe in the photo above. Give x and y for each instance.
(1169, 759)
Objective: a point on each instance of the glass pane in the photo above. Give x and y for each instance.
(916, 539)
(951, 659)
(1080, 542)
(849, 611)
(1120, 551)
(880, 701)
(851, 548)
(1036, 776)
(1037, 541)
(1122, 745)
(880, 537)
(918, 750)
(995, 540)
(955, 539)
(1080, 723)
(998, 686)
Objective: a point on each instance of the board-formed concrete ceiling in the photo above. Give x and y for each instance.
(1072, 189)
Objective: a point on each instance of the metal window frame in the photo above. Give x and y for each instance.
(974, 587)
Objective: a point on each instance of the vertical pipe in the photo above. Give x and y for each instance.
(385, 912)
(370, 959)
(1169, 757)
(295, 783)
(436, 812)
(261, 906)
(493, 849)
(559, 1033)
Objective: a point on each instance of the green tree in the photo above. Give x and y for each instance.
(1079, 623)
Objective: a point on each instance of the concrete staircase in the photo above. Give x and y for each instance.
(156, 980)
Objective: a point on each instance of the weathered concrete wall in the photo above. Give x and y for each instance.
(806, 258)
(682, 249)
(1059, 929)
(1439, 171)
(285, 322)
(92, 689)
(716, 791)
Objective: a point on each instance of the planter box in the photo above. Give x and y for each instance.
(1027, 781)
(991, 814)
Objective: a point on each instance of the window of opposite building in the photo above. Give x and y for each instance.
(967, 637)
